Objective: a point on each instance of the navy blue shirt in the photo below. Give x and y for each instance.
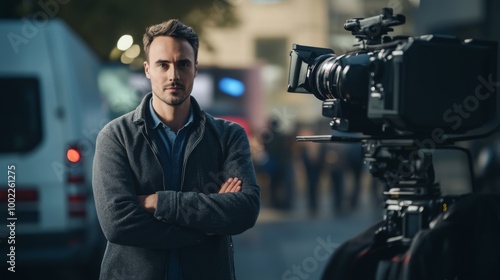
(171, 148)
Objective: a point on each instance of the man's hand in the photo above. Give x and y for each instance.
(232, 185)
(149, 202)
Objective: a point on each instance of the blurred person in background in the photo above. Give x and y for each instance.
(342, 161)
(356, 166)
(345, 161)
(312, 155)
(279, 166)
(172, 183)
(336, 162)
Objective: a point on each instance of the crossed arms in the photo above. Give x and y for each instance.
(169, 219)
(150, 202)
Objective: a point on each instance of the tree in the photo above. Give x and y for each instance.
(101, 23)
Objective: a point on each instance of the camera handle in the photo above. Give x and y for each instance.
(371, 31)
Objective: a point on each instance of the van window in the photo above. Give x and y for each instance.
(21, 125)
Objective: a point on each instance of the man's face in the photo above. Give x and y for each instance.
(171, 67)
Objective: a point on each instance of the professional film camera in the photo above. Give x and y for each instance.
(402, 97)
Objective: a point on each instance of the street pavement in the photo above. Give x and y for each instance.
(290, 247)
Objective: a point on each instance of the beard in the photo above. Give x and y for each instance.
(173, 99)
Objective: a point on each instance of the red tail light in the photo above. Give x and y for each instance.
(74, 172)
(73, 155)
(75, 179)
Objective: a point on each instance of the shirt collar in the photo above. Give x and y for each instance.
(157, 122)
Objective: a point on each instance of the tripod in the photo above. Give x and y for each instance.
(424, 235)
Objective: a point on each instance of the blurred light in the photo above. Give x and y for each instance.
(73, 155)
(203, 89)
(232, 87)
(124, 42)
(115, 54)
(125, 59)
(119, 93)
(133, 52)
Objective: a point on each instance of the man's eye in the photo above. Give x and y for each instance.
(184, 64)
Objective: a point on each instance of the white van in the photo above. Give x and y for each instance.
(51, 112)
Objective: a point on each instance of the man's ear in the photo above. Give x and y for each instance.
(196, 68)
(146, 69)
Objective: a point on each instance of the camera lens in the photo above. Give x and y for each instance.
(341, 77)
(325, 76)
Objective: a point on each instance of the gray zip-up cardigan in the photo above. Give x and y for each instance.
(197, 220)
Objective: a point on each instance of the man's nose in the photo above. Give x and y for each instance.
(173, 73)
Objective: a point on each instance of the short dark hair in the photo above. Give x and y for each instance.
(173, 28)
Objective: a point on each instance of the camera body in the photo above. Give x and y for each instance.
(400, 87)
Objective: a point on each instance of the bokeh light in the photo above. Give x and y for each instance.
(124, 42)
(133, 52)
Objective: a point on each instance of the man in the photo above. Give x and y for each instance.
(172, 183)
